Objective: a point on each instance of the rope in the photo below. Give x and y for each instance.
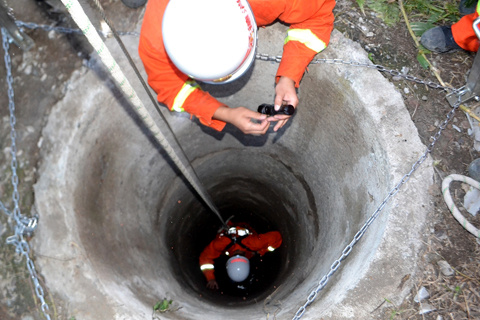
(132, 64)
(451, 205)
(180, 159)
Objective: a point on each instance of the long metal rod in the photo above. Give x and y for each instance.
(180, 159)
(473, 80)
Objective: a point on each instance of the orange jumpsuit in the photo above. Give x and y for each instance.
(259, 243)
(311, 22)
(463, 33)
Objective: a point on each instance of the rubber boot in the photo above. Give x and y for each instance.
(440, 40)
(467, 7)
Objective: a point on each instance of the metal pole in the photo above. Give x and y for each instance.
(177, 156)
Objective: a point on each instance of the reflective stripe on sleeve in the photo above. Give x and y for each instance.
(306, 37)
(207, 266)
(270, 248)
(183, 94)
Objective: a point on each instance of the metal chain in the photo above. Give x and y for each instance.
(348, 249)
(31, 25)
(266, 57)
(392, 72)
(24, 226)
(4, 209)
(336, 264)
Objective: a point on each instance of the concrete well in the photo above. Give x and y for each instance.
(120, 229)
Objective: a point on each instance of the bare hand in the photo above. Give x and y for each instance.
(284, 94)
(212, 285)
(242, 119)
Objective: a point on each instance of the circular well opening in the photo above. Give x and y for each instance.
(138, 228)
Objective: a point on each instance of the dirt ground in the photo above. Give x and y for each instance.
(40, 79)
(456, 296)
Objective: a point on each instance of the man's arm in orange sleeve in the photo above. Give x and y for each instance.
(210, 253)
(263, 243)
(307, 38)
(175, 89)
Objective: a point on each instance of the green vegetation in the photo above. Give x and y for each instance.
(457, 291)
(394, 311)
(361, 4)
(371, 57)
(418, 15)
(424, 13)
(162, 305)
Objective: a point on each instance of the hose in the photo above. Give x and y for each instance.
(180, 159)
(451, 205)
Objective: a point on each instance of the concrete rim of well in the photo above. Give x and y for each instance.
(96, 293)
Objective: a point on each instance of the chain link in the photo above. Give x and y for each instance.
(31, 25)
(266, 57)
(24, 226)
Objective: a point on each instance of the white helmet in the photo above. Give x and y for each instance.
(212, 41)
(238, 268)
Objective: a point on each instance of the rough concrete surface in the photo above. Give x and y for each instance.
(108, 197)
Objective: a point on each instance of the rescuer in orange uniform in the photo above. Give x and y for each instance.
(169, 27)
(459, 36)
(239, 242)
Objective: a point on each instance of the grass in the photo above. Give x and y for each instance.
(394, 311)
(424, 13)
(162, 305)
(418, 15)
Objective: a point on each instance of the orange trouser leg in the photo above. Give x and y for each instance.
(463, 33)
